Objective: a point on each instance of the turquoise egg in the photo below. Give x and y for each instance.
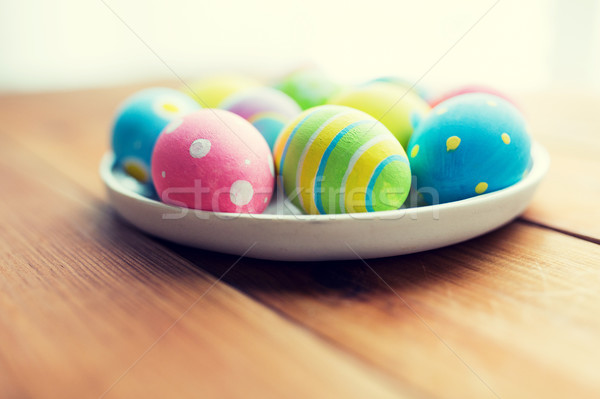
(469, 145)
(138, 123)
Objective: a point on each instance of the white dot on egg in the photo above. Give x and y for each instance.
(200, 148)
(173, 125)
(247, 162)
(163, 174)
(271, 167)
(241, 192)
(265, 201)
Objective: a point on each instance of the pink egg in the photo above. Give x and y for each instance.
(466, 90)
(213, 160)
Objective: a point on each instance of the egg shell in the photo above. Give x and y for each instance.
(210, 91)
(466, 90)
(469, 145)
(268, 109)
(309, 87)
(405, 84)
(391, 104)
(213, 160)
(138, 123)
(335, 159)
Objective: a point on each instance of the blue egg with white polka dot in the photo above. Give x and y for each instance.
(139, 121)
(468, 145)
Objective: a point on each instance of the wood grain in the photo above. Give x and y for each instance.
(510, 314)
(83, 298)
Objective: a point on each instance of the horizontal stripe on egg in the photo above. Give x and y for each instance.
(363, 169)
(376, 173)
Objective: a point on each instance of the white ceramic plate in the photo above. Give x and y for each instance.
(282, 233)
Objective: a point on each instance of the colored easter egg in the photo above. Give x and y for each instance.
(336, 159)
(390, 104)
(469, 145)
(468, 89)
(210, 91)
(138, 123)
(308, 87)
(405, 84)
(268, 109)
(213, 160)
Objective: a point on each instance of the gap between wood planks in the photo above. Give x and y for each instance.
(559, 230)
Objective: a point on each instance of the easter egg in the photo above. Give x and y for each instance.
(138, 123)
(210, 91)
(405, 84)
(392, 105)
(268, 109)
(335, 159)
(213, 160)
(469, 145)
(465, 90)
(308, 87)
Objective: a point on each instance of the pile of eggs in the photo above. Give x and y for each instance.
(224, 142)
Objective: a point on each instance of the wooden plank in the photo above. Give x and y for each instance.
(83, 298)
(513, 314)
(567, 124)
(69, 130)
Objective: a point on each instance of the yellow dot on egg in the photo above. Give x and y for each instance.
(452, 143)
(414, 151)
(506, 138)
(136, 170)
(170, 107)
(481, 187)
(441, 110)
(491, 103)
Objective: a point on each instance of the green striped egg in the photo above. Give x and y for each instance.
(336, 159)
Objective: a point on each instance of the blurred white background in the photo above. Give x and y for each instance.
(517, 45)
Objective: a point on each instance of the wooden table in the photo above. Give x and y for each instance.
(92, 308)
